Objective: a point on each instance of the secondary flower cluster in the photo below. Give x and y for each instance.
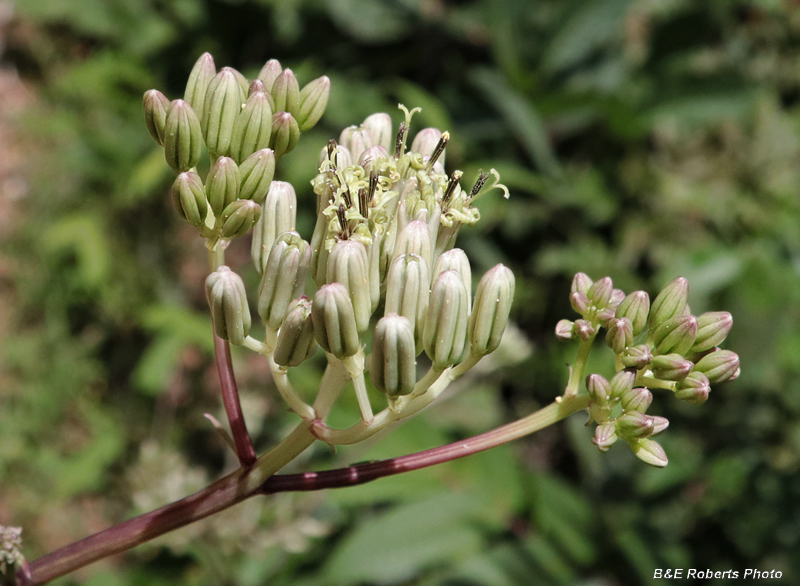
(11, 558)
(658, 345)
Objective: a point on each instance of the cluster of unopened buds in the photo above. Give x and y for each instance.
(657, 346)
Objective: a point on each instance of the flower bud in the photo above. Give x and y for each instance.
(671, 367)
(357, 140)
(636, 399)
(584, 329)
(380, 129)
(257, 171)
(393, 366)
(202, 73)
(633, 425)
(580, 283)
(660, 425)
(296, 342)
(564, 330)
(637, 357)
(190, 198)
(694, 389)
(252, 128)
(313, 101)
(605, 436)
(445, 333)
(341, 158)
(617, 297)
(155, 106)
(284, 277)
(335, 321)
(670, 303)
(489, 317)
(719, 366)
(414, 239)
(222, 184)
(372, 154)
(238, 217)
(408, 290)
(269, 73)
(425, 142)
(621, 383)
(712, 329)
(650, 452)
(455, 259)
(600, 292)
(579, 302)
(286, 92)
(278, 215)
(347, 264)
(676, 335)
(223, 103)
(182, 137)
(619, 335)
(635, 307)
(599, 388)
(285, 133)
(228, 301)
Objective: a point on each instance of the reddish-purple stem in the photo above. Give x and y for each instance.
(233, 408)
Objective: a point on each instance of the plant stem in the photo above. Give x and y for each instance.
(576, 374)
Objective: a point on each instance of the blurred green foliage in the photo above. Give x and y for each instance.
(640, 139)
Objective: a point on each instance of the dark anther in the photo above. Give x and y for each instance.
(343, 222)
(478, 184)
(363, 202)
(451, 186)
(331, 148)
(348, 199)
(440, 146)
(398, 143)
(373, 185)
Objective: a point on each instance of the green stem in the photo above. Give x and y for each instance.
(577, 373)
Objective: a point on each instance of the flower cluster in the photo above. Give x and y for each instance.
(11, 558)
(657, 346)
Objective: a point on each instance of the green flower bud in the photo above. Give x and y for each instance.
(660, 425)
(694, 389)
(671, 367)
(445, 333)
(636, 399)
(393, 366)
(635, 307)
(228, 301)
(252, 128)
(580, 302)
(270, 72)
(238, 217)
(313, 101)
(222, 184)
(284, 277)
(619, 335)
(285, 134)
(408, 290)
(581, 283)
(335, 321)
(634, 425)
(650, 452)
(622, 382)
(155, 106)
(637, 357)
(583, 329)
(278, 215)
(202, 73)
(357, 140)
(286, 92)
(670, 303)
(348, 265)
(492, 307)
(599, 388)
(414, 239)
(676, 335)
(455, 259)
(296, 342)
(617, 297)
(243, 83)
(605, 436)
(182, 137)
(600, 292)
(257, 172)
(564, 330)
(719, 366)
(380, 129)
(712, 329)
(223, 103)
(189, 198)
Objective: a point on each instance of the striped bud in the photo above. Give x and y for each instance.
(252, 128)
(189, 198)
(599, 388)
(348, 265)
(719, 366)
(621, 383)
(238, 217)
(600, 292)
(257, 172)
(202, 73)
(712, 329)
(564, 330)
(393, 366)
(270, 72)
(414, 238)
(408, 290)
(286, 92)
(455, 259)
(341, 158)
(444, 335)
(182, 137)
(636, 399)
(335, 321)
(670, 303)
(634, 425)
(426, 141)
(619, 335)
(296, 342)
(372, 154)
(285, 133)
(357, 140)
(671, 367)
(284, 277)
(650, 452)
(489, 317)
(635, 307)
(676, 335)
(155, 106)
(223, 103)
(637, 357)
(580, 283)
(605, 436)
(693, 389)
(380, 130)
(579, 302)
(313, 101)
(660, 425)
(278, 215)
(222, 184)
(583, 329)
(228, 301)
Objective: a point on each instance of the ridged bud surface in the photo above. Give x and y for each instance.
(492, 307)
(719, 366)
(335, 321)
(600, 292)
(636, 399)
(348, 265)
(694, 389)
(408, 290)
(580, 283)
(285, 133)
(278, 215)
(223, 103)
(357, 140)
(621, 383)
(672, 367)
(676, 335)
(393, 366)
(605, 436)
(252, 128)
(712, 329)
(650, 452)
(425, 142)
(444, 336)
(257, 172)
(269, 73)
(619, 335)
(313, 101)
(564, 329)
(183, 139)
(202, 73)
(284, 277)
(286, 92)
(670, 302)
(189, 198)
(455, 259)
(228, 301)
(414, 239)
(238, 217)
(155, 106)
(222, 184)
(636, 307)
(380, 129)
(634, 425)
(599, 388)
(638, 356)
(296, 342)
